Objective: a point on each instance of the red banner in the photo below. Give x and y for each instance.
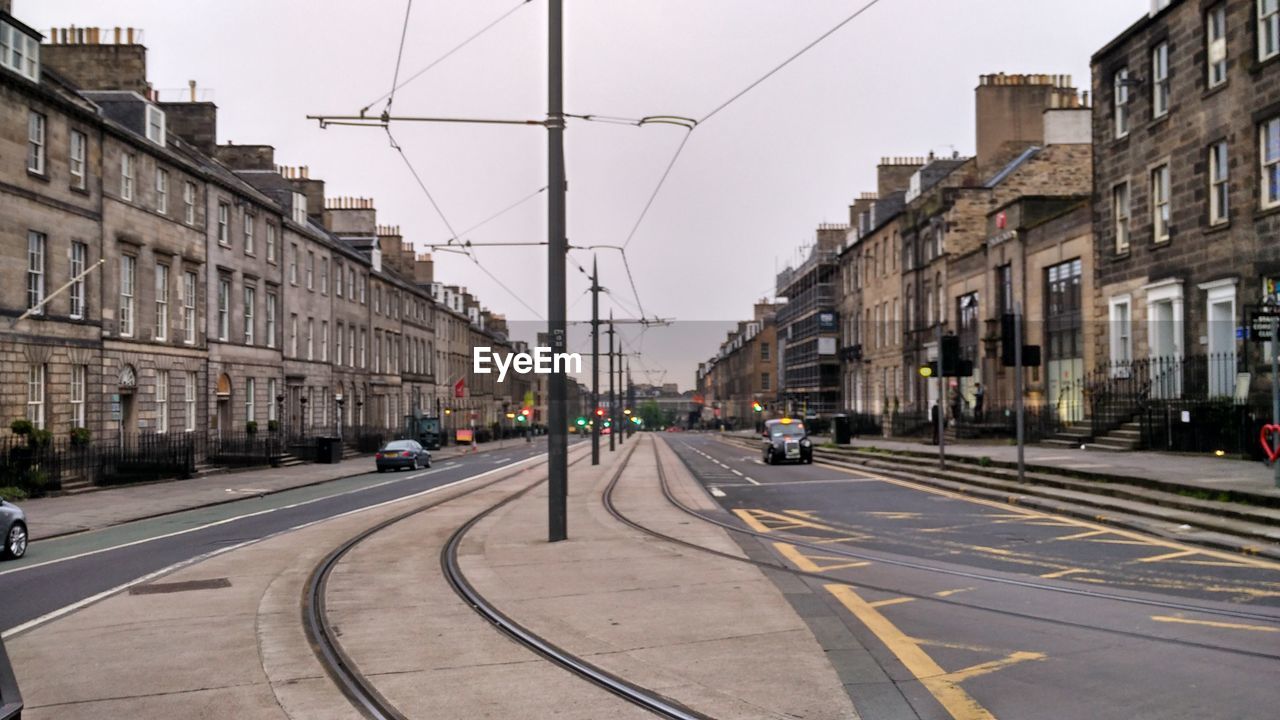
(464, 435)
(460, 387)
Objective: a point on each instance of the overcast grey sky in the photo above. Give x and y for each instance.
(751, 185)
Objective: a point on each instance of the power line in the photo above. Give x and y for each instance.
(504, 211)
(441, 59)
(395, 76)
(658, 188)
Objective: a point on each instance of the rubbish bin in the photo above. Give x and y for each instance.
(841, 429)
(328, 450)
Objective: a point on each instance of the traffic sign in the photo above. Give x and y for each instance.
(1258, 320)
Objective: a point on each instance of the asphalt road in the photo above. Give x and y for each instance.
(969, 609)
(59, 573)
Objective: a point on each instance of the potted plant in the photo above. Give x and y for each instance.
(251, 427)
(21, 427)
(273, 426)
(80, 436)
(40, 438)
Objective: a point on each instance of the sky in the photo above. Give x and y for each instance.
(749, 188)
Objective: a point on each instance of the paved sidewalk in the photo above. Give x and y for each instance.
(52, 516)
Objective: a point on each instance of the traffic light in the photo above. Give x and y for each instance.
(1008, 358)
(582, 421)
(950, 354)
(928, 370)
(756, 406)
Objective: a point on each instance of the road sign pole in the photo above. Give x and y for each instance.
(1017, 386)
(1275, 385)
(557, 249)
(942, 404)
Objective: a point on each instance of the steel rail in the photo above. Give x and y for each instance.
(643, 697)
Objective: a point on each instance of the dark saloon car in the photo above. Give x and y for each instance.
(786, 440)
(14, 524)
(402, 454)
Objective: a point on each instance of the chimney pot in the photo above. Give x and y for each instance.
(129, 35)
(192, 84)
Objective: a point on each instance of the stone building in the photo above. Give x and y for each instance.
(51, 185)
(808, 330)
(743, 373)
(1186, 144)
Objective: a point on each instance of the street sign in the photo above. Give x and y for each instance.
(1258, 320)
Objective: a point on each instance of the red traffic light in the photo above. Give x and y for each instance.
(599, 412)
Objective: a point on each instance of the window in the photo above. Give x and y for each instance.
(250, 400)
(1160, 203)
(293, 335)
(250, 301)
(351, 283)
(248, 234)
(1121, 335)
(128, 267)
(189, 201)
(337, 279)
(351, 347)
(35, 271)
(271, 399)
(1268, 29)
(79, 374)
(1120, 212)
(764, 351)
(1064, 304)
(162, 191)
(162, 302)
(1219, 201)
(155, 125)
(1160, 80)
(36, 155)
(19, 52)
(271, 320)
(311, 270)
(364, 282)
(224, 309)
(189, 402)
(162, 401)
(293, 264)
(364, 347)
(764, 381)
(311, 333)
(337, 346)
(377, 351)
(76, 159)
(1269, 155)
(271, 242)
(224, 220)
(324, 276)
(1215, 29)
(35, 395)
(79, 254)
(126, 177)
(377, 300)
(324, 341)
(1120, 91)
(299, 208)
(189, 307)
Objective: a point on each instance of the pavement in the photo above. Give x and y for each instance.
(223, 637)
(1194, 472)
(50, 517)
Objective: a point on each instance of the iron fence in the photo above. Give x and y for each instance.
(1204, 426)
(1129, 390)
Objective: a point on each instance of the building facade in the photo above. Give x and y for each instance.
(808, 328)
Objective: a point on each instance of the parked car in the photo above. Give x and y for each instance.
(402, 454)
(14, 522)
(786, 440)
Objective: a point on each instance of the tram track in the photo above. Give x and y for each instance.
(611, 507)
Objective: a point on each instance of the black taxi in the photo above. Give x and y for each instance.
(786, 440)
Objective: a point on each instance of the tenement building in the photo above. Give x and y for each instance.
(808, 331)
(743, 374)
(1186, 135)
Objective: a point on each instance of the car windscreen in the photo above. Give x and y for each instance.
(400, 445)
(792, 430)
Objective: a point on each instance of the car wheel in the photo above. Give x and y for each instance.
(382, 469)
(15, 543)
(427, 464)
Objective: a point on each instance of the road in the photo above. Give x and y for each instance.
(969, 609)
(61, 574)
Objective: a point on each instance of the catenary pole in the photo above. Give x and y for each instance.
(557, 248)
(595, 360)
(612, 430)
(1017, 388)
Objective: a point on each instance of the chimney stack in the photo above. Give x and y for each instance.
(1010, 114)
(91, 64)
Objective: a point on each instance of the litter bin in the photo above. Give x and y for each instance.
(328, 450)
(841, 429)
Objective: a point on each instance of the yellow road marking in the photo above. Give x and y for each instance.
(1081, 535)
(1252, 592)
(1166, 556)
(757, 519)
(1143, 539)
(944, 689)
(983, 668)
(1064, 573)
(1215, 624)
(890, 601)
(993, 551)
(895, 515)
(751, 521)
(949, 593)
(1122, 541)
(807, 564)
(836, 540)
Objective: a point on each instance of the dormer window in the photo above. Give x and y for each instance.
(155, 125)
(300, 208)
(19, 51)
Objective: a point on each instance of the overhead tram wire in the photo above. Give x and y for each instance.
(395, 76)
(442, 58)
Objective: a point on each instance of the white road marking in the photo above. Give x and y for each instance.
(717, 492)
(735, 471)
(753, 482)
(215, 523)
(79, 604)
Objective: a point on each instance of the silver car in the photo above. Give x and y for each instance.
(14, 523)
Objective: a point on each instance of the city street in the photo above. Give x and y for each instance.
(999, 599)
